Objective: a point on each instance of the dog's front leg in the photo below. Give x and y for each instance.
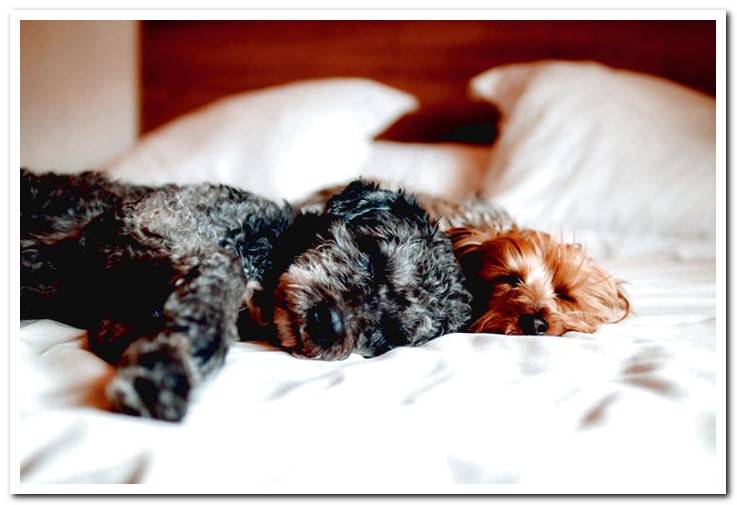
(158, 373)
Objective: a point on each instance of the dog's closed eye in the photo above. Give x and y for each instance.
(511, 279)
(565, 295)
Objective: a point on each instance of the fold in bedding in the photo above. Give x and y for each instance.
(630, 408)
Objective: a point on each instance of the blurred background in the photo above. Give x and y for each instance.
(79, 92)
(89, 89)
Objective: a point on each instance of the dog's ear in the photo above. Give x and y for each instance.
(467, 248)
(467, 241)
(367, 202)
(301, 234)
(356, 200)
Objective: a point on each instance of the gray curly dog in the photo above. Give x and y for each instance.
(164, 278)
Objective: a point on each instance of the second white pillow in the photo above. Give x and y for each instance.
(587, 147)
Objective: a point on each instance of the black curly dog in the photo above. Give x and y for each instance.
(164, 278)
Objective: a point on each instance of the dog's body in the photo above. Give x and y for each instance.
(164, 278)
(523, 281)
(156, 276)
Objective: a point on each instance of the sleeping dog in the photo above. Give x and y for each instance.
(164, 278)
(523, 281)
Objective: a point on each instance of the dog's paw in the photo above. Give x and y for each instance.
(156, 386)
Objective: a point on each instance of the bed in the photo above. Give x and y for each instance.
(631, 408)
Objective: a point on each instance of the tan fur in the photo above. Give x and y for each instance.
(530, 272)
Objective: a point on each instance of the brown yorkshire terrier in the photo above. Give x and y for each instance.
(523, 282)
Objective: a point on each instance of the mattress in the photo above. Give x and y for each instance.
(632, 408)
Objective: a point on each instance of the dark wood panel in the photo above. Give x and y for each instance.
(186, 64)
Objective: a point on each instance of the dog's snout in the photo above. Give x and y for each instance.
(533, 324)
(324, 324)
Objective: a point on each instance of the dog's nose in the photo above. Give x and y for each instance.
(324, 324)
(533, 324)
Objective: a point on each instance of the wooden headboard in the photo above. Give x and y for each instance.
(185, 64)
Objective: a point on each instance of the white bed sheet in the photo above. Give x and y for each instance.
(632, 408)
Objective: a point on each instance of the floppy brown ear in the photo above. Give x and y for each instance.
(467, 246)
(467, 240)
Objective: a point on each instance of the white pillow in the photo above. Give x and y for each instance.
(587, 147)
(444, 169)
(280, 142)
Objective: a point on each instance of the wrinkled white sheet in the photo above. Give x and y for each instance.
(631, 408)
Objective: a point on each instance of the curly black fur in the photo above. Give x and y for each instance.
(164, 278)
(375, 274)
(156, 275)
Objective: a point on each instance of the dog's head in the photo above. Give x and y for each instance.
(370, 273)
(525, 282)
